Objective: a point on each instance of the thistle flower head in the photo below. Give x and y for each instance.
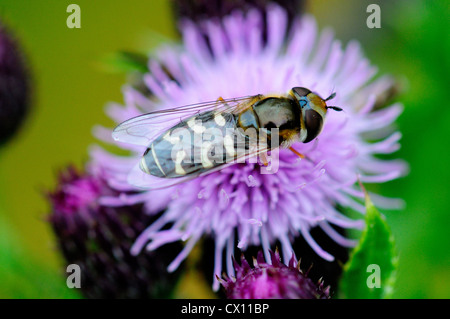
(14, 86)
(76, 192)
(272, 281)
(199, 10)
(231, 58)
(99, 238)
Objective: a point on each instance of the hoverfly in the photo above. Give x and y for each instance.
(297, 116)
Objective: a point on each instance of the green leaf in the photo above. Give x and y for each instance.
(371, 270)
(21, 276)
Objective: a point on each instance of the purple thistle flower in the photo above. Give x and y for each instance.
(272, 281)
(98, 239)
(238, 202)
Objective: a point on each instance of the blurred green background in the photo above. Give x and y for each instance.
(71, 88)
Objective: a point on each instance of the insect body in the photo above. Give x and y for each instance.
(189, 141)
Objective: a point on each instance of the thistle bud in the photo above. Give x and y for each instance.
(98, 238)
(200, 10)
(14, 86)
(272, 281)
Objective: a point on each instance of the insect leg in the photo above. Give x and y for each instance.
(263, 158)
(297, 153)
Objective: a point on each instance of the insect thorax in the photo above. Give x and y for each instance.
(273, 112)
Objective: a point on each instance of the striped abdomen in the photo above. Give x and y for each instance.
(195, 145)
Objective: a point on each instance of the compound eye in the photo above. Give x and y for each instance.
(313, 125)
(300, 91)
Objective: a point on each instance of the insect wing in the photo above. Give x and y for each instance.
(144, 129)
(143, 180)
(146, 181)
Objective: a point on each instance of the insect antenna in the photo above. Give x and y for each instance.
(330, 97)
(335, 108)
